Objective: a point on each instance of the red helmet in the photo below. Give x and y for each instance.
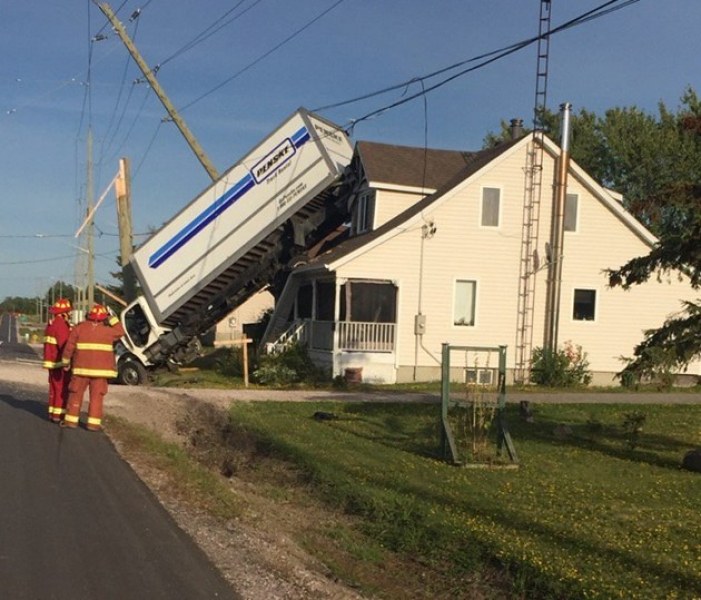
(62, 305)
(98, 313)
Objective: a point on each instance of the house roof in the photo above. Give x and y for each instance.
(409, 166)
(473, 162)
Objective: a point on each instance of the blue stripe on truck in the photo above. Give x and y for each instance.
(225, 201)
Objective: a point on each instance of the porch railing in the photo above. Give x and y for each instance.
(296, 331)
(367, 337)
(352, 336)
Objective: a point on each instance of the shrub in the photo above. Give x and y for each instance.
(566, 367)
(290, 366)
(230, 362)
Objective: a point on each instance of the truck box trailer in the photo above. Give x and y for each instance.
(230, 240)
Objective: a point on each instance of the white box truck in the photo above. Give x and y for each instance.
(231, 241)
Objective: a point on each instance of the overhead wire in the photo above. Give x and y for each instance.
(148, 150)
(105, 146)
(147, 95)
(208, 32)
(486, 58)
(262, 57)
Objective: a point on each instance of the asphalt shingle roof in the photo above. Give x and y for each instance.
(410, 166)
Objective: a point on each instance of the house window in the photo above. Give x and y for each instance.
(491, 198)
(368, 301)
(464, 311)
(571, 204)
(362, 219)
(584, 305)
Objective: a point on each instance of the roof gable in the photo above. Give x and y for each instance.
(409, 166)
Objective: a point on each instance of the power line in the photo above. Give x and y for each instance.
(208, 32)
(147, 95)
(106, 145)
(488, 57)
(263, 56)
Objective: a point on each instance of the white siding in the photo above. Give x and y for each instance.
(388, 204)
(600, 243)
(231, 327)
(462, 249)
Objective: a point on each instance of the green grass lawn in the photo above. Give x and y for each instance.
(585, 516)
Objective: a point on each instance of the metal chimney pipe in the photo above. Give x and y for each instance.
(516, 128)
(557, 238)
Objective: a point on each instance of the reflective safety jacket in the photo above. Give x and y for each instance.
(90, 348)
(55, 338)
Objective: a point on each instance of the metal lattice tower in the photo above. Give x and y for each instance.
(531, 205)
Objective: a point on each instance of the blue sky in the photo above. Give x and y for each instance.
(237, 85)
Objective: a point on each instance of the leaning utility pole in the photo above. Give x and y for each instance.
(122, 186)
(153, 82)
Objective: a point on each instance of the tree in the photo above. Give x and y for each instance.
(19, 304)
(675, 206)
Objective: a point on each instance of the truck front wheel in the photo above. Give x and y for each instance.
(131, 372)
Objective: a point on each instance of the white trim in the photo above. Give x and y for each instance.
(365, 200)
(394, 187)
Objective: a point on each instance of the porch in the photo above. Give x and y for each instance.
(341, 336)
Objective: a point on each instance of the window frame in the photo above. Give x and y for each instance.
(565, 229)
(484, 188)
(364, 213)
(595, 311)
(454, 315)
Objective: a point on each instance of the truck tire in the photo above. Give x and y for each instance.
(131, 372)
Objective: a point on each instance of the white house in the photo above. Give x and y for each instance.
(434, 256)
(231, 327)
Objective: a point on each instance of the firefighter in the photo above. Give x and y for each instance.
(55, 337)
(89, 354)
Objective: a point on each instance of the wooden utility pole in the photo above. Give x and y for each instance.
(122, 186)
(155, 86)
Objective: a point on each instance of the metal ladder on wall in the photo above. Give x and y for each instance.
(531, 206)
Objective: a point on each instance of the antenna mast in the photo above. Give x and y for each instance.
(531, 205)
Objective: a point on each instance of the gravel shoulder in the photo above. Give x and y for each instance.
(256, 554)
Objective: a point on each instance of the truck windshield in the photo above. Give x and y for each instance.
(137, 325)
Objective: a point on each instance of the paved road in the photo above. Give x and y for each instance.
(76, 523)
(10, 345)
